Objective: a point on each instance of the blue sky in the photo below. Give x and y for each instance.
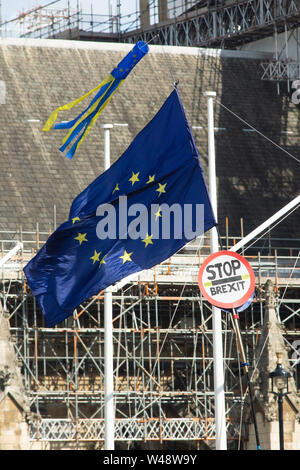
(12, 8)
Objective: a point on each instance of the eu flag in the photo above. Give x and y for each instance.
(132, 217)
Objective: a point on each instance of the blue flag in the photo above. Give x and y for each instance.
(135, 215)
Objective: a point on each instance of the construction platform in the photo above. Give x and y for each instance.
(163, 359)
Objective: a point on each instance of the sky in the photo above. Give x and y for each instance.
(12, 8)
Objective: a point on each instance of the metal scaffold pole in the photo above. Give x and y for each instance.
(221, 442)
(109, 414)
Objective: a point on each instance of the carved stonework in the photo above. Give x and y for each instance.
(14, 407)
(271, 343)
(5, 377)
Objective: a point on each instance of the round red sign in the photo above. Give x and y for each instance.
(226, 279)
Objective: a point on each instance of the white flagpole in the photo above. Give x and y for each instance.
(221, 441)
(109, 412)
(288, 207)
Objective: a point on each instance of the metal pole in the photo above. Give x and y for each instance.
(245, 367)
(11, 253)
(109, 413)
(119, 16)
(0, 18)
(287, 56)
(280, 419)
(291, 205)
(106, 128)
(221, 442)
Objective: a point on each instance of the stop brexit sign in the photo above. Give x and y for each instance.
(226, 279)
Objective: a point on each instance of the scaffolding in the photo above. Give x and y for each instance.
(163, 358)
(226, 24)
(211, 23)
(284, 67)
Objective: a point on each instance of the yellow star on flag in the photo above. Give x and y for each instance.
(81, 237)
(116, 188)
(102, 261)
(151, 179)
(96, 256)
(158, 214)
(126, 256)
(75, 219)
(148, 240)
(134, 178)
(161, 188)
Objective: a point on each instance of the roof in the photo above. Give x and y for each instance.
(255, 178)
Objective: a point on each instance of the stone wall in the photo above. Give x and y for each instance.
(13, 428)
(269, 431)
(14, 406)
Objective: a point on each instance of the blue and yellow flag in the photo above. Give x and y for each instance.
(82, 124)
(128, 219)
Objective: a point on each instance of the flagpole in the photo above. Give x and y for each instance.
(267, 223)
(221, 441)
(109, 413)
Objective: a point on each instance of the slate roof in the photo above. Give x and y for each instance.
(255, 178)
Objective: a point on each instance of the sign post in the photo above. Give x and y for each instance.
(245, 366)
(227, 281)
(220, 420)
